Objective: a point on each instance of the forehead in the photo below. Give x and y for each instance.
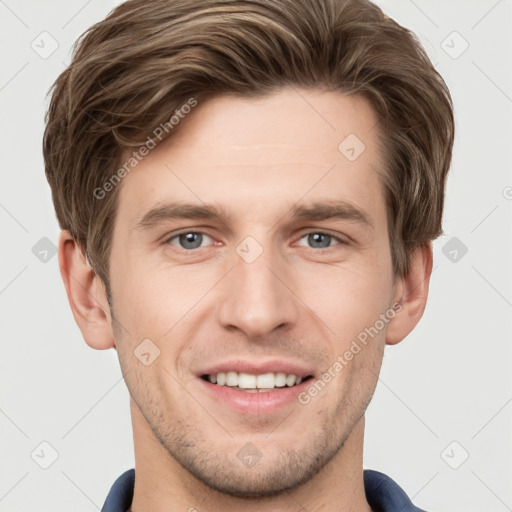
(262, 155)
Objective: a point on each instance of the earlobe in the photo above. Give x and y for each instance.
(411, 294)
(86, 294)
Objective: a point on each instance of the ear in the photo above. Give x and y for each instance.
(86, 294)
(410, 294)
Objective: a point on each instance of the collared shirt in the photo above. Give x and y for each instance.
(382, 493)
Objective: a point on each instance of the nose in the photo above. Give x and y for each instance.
(257, 296)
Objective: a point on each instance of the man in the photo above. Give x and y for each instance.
(248, 191)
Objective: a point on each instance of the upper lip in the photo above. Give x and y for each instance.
(257, 367)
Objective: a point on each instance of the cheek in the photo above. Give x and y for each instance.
(137, 298)
(164, 303)
(347, 297)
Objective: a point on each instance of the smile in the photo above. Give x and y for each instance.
(251, 383)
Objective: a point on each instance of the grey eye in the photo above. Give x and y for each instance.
(188, 240)
(319, 240)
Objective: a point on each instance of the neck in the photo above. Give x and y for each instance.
(163, 485)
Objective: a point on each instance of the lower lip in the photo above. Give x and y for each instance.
(255, 403)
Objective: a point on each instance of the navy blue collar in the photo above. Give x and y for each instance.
(383, 493)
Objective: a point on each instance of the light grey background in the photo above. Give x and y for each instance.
(445, 392)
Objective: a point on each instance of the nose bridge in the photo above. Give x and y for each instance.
(256, 299)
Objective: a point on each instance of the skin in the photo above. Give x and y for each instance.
(299, 301)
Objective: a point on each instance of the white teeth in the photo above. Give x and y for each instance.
(290, 380)
(280, 380)
(247, 381)
(231, 379)
(265, 380)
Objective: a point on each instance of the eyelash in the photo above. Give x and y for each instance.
(334, 237)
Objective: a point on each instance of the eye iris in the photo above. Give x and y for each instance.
(191, 240)
(315, 238)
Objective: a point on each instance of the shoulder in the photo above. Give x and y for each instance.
(385, 495)
(120, 495)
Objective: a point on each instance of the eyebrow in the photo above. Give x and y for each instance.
(325, 210)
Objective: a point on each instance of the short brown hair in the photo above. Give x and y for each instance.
(131, 71)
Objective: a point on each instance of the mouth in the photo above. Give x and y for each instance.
(255, 387)
(255, 383)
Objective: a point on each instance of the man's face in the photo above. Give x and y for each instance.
(259, 291)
